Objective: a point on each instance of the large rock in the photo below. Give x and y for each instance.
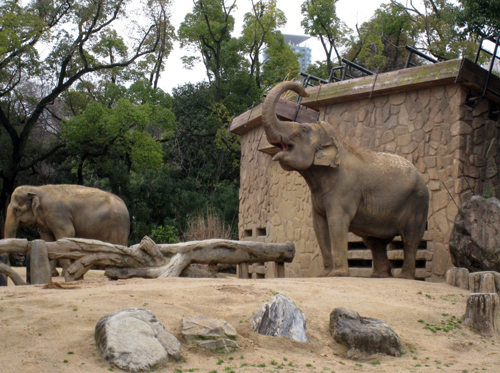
(134, 340)
(363, 335)
(475, 238)
(211, 334)
(280, 317)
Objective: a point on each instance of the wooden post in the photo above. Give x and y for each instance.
(40, 266)
(259, 270)
(484, 282)
(243, 270)
(482, 313)
(458, 277)
(280, 269)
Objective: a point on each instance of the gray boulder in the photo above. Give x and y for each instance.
(475, 238)
(363, 335)
(134, 340)
(211, 334)
(280, 317)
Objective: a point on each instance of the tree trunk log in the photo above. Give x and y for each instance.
(9, 272)
(148, 260)
(482, 313)
(209, 252)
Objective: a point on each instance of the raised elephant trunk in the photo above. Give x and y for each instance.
(275, 128)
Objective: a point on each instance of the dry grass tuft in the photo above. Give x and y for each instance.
(206, 225)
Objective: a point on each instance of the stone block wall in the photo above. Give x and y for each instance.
(455, 148)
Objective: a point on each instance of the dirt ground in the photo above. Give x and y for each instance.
(52, 329)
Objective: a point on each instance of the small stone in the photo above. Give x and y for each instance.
(211, 334)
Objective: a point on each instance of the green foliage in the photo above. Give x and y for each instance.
(381, 41)
(481, 17)
(282, 63)
(165, 234)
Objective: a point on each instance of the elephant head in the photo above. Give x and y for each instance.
(302, 145)
(22, 211)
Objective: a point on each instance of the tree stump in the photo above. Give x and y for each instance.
(484, 282)
(482, 313)
(40, 266)
(458, 277)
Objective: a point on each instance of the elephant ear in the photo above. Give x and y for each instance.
(329, 151)
(35, 203)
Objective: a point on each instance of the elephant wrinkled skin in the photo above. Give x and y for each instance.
(375, 195)
(68, 211)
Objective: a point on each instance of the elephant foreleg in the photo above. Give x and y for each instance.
(338, 230)
(381, 264)
(320, 225)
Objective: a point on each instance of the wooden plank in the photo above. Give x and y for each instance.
(383, 84)
(284, 109)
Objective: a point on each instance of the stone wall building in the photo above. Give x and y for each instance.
(420, 113)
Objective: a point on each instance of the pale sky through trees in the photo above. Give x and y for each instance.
(349, 11)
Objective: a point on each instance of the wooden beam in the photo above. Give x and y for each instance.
(448, 72)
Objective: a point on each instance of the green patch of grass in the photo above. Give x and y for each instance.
(261, 365)
(220, 362)
(75, 309)
(374, 363)
(66, 361)
(274, 362)
(70, 352)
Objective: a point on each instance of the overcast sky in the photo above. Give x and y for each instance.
(350, 11)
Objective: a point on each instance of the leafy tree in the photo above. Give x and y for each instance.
(281, 64)
(208, 30)
(78, 40)
(480, 17)
(438, 34)
(320, 20)
(260, 31)
(381, 41)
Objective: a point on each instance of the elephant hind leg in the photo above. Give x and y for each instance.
(410, 247)
(378, 247)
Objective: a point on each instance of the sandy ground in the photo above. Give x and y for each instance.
(52, 329)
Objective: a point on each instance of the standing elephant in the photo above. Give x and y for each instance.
(68, 211)
(377, 196)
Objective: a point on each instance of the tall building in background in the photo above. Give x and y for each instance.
(294, 41)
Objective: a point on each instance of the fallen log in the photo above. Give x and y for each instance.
(208, 252)
(149, 260)
(9, 272)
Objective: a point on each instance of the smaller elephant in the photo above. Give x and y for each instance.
(375, 195)
(68, 211)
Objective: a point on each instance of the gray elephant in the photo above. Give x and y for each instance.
(68, 211)
(375, 195)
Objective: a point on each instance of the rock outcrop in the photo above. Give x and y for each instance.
(475, 238)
